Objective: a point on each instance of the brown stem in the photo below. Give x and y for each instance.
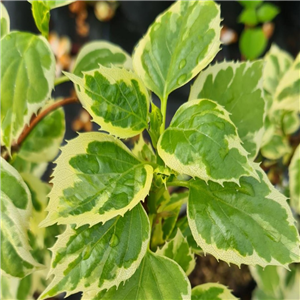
(35, 120)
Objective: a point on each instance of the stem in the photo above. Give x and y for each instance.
(179, 183)
(163, 109)
(35, 120)
(60, 80)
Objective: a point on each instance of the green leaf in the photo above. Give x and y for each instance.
(96, 179)
(54, 3)
(248, 17)
(4, 21)
(294, 174)
(250, 4)
(93, 54)
(202, 141)
(41, 16)
(42, 143)
(276, 147)
(143, 150)
(251, 224)
(99, 257)
(277, 63)
(16, 260)
(157, 278)
(116, 99)
(156, 120)
(180, 43)
(287, 96)
(252, 43)
(267, 12)
(211, 291)
(237, 87)
(170, 210)
(16, 288)
(178, 250)
(27, 78)
(290, 122)
(184, 227)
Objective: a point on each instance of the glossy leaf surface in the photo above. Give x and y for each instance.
(42, 143)
(239, 88)
(251, 224)
(96, 179)
(93, 54)
(116, 99)
(157, 278)
(27, 78)
(16, 260)
(211, 291)
(4, 21)
(101, 256)
(178, 45)
(202, 141)
(294, 175)
(178, 250)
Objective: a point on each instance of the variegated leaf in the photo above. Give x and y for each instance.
(276, 147)
(294, 174)
(157, 278)
(102, 53)
(143, 150)
(251, 224)
(180, 43)
(239, 88)
(202, 141)
(13, 288)
(277, 63)
(101, 256)
(16, 260)
(287, 94)
(42, 143)
(179, 250)
(290, 122)
(156, 120)
(212, 291)
(27, 78)
(4, 21)
(116, 99)
(96, 179)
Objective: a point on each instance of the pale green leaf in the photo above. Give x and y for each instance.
(202, 141)
(251, 3)
(179, 250)
(290, 122)
(27, 78)
(16, 260)
(55, 3)
(276, 147)
(239, 88)
(41, 16)
(287, 96)
(143, 150)
(180, 43)
(251, 224)
(99, 257)
(277, 63)
(294, 174)
(267, 12)
(157, 278)
(4, 21)
(211, 291)
(93, 54)
(252, 42)
(248, 16)
(156, 120)
(96, 179)
(42, 143)
(13, 288)
(116, 99)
